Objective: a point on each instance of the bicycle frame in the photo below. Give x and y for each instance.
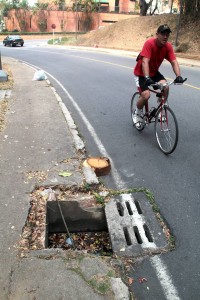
(150, 115)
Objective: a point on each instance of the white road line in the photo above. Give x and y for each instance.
(164, 277)
(160, 268)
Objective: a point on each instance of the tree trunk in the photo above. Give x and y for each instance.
(171, 6)
(144, 6)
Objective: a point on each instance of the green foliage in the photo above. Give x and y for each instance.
(60, 4)
(42, 24)
(101, 285)
(15, 4)
(22, 24)
(24, 4)
(100, 199)
(41, 6)
(86, 6)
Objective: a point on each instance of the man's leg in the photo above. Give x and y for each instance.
(138, 115)
(144, 97)
(166, 92)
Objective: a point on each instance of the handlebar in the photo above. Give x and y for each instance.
(160, 86)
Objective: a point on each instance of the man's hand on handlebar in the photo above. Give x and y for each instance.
(179, 80)
(150, 82)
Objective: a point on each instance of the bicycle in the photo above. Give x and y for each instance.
(166, 125)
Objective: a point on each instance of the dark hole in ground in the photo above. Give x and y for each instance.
(90, 242)
(86, 225)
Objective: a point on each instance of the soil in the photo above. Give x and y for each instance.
(130, 34)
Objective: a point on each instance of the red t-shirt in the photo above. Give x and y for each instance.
(156, 55)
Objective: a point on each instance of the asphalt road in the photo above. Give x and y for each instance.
(101, 86)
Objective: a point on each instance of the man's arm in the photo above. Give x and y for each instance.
(145, 66)
(175, 67)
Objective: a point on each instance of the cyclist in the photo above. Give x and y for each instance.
(146, 71)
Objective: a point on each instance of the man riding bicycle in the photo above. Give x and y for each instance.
(154, 51)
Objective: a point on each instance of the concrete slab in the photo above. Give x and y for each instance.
(3, 76)
(133, 227)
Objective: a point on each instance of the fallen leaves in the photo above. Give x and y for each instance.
(33, 235)
(39, 175)
(88, 242)
(3, 110)
(140, 280)
(64, 174)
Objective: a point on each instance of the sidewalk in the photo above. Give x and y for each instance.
(37, 140)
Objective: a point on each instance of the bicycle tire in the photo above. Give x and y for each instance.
(166, 129)
(139, 126)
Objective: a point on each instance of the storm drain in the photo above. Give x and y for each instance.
(70, 225)
(133, 227)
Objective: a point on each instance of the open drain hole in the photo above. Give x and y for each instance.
(148, 233)
(120, 209)
(87, 228)
(127, 236)
(137, 235)
(129, 208)
(137, 204)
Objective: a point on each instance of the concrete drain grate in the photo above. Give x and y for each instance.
(133, 227)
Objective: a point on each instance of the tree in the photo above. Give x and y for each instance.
(60, 3)
(191, 7)
(144, 6)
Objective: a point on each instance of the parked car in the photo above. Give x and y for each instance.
(13, 40)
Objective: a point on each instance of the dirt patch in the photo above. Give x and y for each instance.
(130, 34)
(7, 85)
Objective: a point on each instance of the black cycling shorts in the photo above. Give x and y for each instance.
(156, 78)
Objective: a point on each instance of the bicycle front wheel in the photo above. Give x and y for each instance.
(166, 129)
(140, 125)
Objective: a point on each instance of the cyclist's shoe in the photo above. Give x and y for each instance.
(137, 119)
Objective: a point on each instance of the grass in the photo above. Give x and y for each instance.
(63, 40)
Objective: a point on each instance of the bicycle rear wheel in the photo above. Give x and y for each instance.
(140, 125)
(166, 129)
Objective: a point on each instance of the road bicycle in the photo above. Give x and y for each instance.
(163, 117)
